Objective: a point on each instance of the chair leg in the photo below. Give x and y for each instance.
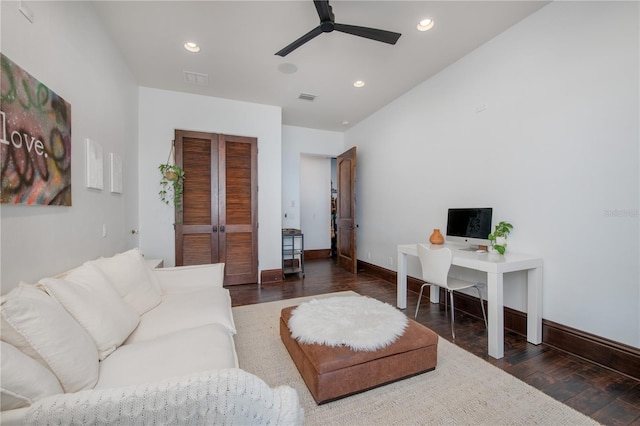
(484, 315)
(453, 333)
(445, 300)
(419, 298)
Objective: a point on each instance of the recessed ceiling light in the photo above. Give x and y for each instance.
(192, 47)
(425, 24)
(345, 123)
(358, 83)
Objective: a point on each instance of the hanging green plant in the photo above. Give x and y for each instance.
(171, 184)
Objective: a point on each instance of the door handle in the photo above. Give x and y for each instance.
(222, 228)
(215, 228)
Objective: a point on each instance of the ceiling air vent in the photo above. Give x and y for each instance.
(306, 96)
(196, 78)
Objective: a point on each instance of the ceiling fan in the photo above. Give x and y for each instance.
(328, 24)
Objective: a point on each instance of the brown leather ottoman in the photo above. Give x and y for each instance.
(335, 372)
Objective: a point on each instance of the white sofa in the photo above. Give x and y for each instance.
(115, 342)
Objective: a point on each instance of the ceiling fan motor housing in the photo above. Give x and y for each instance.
(327, 26)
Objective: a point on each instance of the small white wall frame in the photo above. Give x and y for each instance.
(116, 173)
(95, 165)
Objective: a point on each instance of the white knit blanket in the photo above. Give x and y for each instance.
(361, 323)
(220, 397)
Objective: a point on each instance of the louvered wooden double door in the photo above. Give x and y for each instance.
(218, 218)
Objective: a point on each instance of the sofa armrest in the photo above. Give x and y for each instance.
(181, 279)
(228, 396)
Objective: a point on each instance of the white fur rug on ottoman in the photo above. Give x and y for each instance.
(361, 323)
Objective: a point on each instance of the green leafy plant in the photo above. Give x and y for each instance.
(171, 184)
(499, 237)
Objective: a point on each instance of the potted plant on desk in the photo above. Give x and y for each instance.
(499, 237)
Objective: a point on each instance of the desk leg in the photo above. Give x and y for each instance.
(534, 306)
(495, 303)
(401, 284)
(434, 292)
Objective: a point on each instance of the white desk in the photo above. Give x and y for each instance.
(495, 266)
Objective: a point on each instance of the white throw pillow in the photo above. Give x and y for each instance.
(132, 278)
(91, 299)
(24, 380)
(38, 325)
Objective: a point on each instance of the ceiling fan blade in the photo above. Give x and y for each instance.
(327, 24)
(299, 42)
(324, 10)
(370, 33)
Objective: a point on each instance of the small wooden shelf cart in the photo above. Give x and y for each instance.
(292, 251)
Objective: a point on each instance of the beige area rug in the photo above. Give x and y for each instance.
(463, 389)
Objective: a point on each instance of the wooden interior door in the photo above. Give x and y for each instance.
(346, 213)
(196, 228)
(239, 209)
(218, 219)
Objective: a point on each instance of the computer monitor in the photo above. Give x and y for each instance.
(470, 226)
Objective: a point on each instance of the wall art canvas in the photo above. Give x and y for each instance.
(116, 173)
(35, 140)
(95, 165)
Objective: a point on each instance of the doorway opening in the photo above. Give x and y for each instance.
(316, 204)
(328, 207)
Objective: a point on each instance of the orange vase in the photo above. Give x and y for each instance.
(436, 237)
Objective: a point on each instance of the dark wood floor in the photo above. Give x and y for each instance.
(606, 396)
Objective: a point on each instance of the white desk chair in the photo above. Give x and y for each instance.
(435, 270)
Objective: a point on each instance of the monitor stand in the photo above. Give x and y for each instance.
(476, 248)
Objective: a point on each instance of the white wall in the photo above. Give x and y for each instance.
(555, 152)
(315, 201)
(161, 112)
(66, 49)
(295, 142)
